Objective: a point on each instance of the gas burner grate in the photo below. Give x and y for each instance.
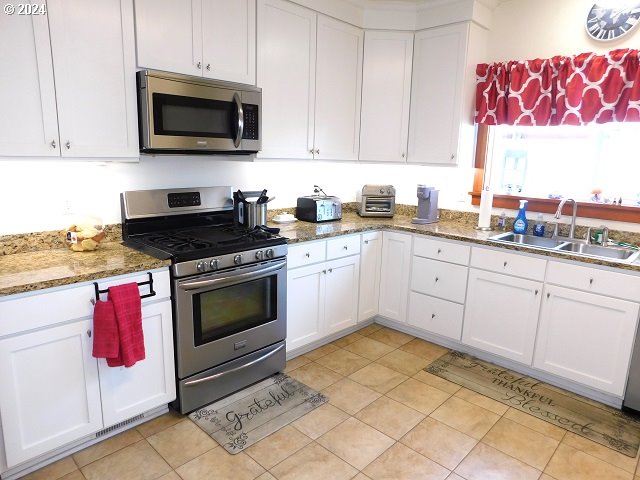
(178, 242)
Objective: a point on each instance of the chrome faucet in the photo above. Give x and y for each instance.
(572, 228)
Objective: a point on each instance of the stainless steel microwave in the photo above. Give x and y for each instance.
(185, 114)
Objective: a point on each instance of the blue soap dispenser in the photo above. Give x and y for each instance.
(521, 224)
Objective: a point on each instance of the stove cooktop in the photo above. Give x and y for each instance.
(199, 242)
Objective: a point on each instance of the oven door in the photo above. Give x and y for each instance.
(226, 315)
(182, 116)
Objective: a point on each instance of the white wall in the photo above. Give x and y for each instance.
(38, 195)
(528, 29)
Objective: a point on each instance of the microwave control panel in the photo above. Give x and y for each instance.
(250, 121)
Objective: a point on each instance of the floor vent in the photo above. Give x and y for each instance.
(118, 425)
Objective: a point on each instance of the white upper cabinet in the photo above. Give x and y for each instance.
(309, 69)
(442, 93)
(211, 38)
(338, 90)
(28, 124)
(94, 67)
(91, 111)
(386, 93)
(287, 75)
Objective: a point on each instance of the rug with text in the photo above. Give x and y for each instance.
(582, 416)
(242, 419)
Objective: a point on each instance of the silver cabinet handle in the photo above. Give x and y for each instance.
(53, 144)
(346, 247)
(324, 271)
(536, 292)
(439, 251)
(238, 102)
(307, 255)
(89, 333)
(199, 65)
(433, 315)
(453, 156)
(403, 154)
(208, 66)
(330, 270)
(317, 151)
(505, 264)
(548, 295)
(68, 144)
(591, 281)
(437, 279)
(311, 151)
(366, 242)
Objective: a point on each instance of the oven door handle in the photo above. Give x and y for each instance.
(235, 369)
(230, 279)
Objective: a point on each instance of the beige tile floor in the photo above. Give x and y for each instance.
(387, 419)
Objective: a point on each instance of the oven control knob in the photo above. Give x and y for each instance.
(259, 255)
(269, 253)
(237, 259)
(214, 264)
(201, 266)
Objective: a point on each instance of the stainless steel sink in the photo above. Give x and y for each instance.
(528, 240)
(615, 253)
(569, 246)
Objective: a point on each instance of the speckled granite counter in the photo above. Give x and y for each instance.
(51, 266)
(455, 227)
(35, 270)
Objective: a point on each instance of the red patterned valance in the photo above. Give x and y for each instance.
(574, 90)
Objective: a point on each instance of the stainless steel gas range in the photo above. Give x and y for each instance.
(228, 288)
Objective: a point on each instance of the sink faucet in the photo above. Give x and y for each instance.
(572, 228)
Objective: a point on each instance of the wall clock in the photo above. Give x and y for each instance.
(611, 23)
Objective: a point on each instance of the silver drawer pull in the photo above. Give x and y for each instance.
(366, 242)
(591, 281)
(536, 292)
(330, 270)
(505, 264)
(324, 271)
(439, 251)
(433, 315)
(548, 295)
(346, 247)
(437, 279)
(89, 333)
(307, 254)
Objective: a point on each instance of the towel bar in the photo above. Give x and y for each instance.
(149, 282)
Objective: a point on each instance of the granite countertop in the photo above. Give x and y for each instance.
(456, 226)
(35, 270)
(50, 267)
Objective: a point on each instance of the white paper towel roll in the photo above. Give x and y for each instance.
(486, 202)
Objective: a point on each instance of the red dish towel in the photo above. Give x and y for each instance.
(128, 309)
(106, 342)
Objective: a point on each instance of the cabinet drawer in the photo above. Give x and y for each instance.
(306, 253)
(439, 279)
(69, 303)
(439, 250)
(436, 315)
(509, 263)
(343, 246)
(612, 284)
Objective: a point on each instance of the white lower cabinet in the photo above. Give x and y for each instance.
(585, 336)
(370, 259)
(50, 393)
(322, 298)
(126, 392)
(438, 286)
(394, 275)
(53, 391)
(501, 314)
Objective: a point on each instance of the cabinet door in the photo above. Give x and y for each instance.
(586, 338)
(386, 91)
(286, 73)
(305, 305)
(370, 259)
(28, 123)
(169, 35)
(341, 294)
(94, 65)
(436, 94)
(50, 394)
(338, 90)
(501, 314)
(127, 392)
(229, 40)
(394, 275)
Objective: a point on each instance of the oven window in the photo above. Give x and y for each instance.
(225, 311)
(193, 117)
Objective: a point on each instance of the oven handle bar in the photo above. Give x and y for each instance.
(235, 278)
(235, 369)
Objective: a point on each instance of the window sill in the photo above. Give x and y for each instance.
(604, 211)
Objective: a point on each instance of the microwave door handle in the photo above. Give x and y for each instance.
(238, 102)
